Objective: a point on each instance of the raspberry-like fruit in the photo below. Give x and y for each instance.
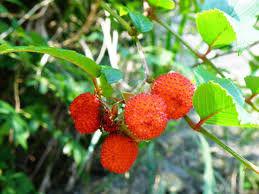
(145, 116)
(118, 153)
(177, 92)
(85, 111)
(108, 122)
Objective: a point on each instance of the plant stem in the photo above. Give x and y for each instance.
(187, 45)
(249, 99)
(143, 58)
(206, 133)
(97, 89)
(134, 34)
(166, 26)
(123, 22)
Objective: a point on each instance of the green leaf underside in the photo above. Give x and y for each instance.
(252, 82)
(203, 76)
(210, 99)
(215, 28)
(165, 4)
(141, 22)
(79, 60)
(112, 75)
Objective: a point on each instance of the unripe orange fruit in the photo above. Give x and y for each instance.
(118, 153)
(85, 111)
(177, 92)
(145, 116)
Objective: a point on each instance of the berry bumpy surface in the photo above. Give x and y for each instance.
(145, 116)
(177, 92)
(85, 111)
(118, 153)
(108, 122)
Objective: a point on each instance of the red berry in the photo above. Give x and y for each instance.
(85, 111)
(145, 116)
(108, 122)
(118, 153)
(87, 123)
(177, 92)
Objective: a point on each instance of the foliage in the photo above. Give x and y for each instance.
(40, 150)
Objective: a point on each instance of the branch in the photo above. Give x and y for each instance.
(206, 133)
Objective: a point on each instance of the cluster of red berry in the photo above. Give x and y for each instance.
(145, 117)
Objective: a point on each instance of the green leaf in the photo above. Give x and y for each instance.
(79, 60)
(21, 130)
(213, 102)
(71, 147)
(16, 181)
(215, 28)
(141, 22)
(6, 108)
(105, 86)
(16, 122)
(3, 26)
(123, 10)
(165, 4)
(112, 75)
(242, 15)
(252, 82)
(3, 9)
(203, 76)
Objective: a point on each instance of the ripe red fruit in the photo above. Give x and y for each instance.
(145, 116)
(108, 122)
(85, 111)
(118, 153)
(177, 92)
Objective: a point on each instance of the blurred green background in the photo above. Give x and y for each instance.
(40, 149)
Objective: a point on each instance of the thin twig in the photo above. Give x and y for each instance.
(16, 91)
(86, 26)
(187, 45)
(226, 53)
(95, 138)
(49, 147)
(26, 17)
(143, 58)
(206, 133)
(249, 99)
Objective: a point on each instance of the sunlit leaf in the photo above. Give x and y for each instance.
(213, 103)
(80, 60)
(215, 28)
(242, 15)
(252, 82)
(165, 4)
